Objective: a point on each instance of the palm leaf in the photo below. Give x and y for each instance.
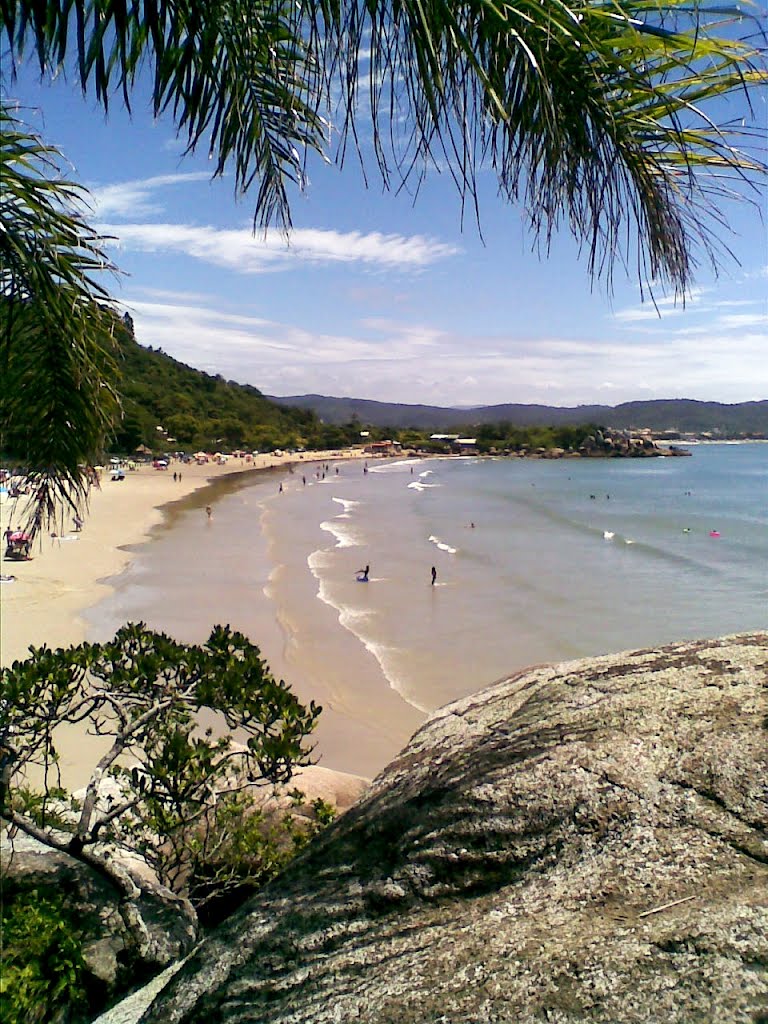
(585, 109)
(57, 399)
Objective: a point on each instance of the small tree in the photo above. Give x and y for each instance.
(181, 790)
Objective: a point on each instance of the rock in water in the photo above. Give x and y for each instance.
(583, 842)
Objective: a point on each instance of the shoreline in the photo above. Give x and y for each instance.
(69, 574)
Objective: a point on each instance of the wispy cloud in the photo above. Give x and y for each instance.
(133, 198)
(706, 314)
(661, 308)
(245, 253)
(403, 361)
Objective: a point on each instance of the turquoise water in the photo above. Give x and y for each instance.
(546, 573)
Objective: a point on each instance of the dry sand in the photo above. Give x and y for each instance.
(67, 575)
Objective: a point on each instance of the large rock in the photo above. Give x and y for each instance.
(127, 937)
(583, 842)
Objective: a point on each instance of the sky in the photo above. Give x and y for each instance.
(384, 296)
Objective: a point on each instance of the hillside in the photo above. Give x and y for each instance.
(195, 409)
(168, 405)
(684, 415)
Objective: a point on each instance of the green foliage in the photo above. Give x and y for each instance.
(42, 962)
(242, 845)
(595, 114)
(45, 808)
(147, 695)
(507, 437)
(197, 409)
(57, 400)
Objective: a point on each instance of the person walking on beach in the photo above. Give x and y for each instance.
(434, 575)
(208, 512)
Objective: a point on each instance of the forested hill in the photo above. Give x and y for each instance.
(684, 415)
(196, 410)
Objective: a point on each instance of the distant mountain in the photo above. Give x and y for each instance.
(684, 415)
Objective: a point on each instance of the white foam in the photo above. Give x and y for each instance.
(417, 485)
(608, 534)
(353, 620)
(392, 466)
(345, 538)
(442, 545)
(346, 503)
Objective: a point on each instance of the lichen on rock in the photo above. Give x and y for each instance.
(580, 842)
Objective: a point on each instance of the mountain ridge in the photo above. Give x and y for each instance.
(676, 414)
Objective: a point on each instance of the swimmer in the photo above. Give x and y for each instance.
(434, 575)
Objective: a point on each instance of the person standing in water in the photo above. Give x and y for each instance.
(434, 575)
(208, 511)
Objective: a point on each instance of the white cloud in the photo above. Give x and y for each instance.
(660, 308)
(416, 362)
(246, 253)
(743, 320)
(132, 198)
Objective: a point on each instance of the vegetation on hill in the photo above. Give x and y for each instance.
(197, 410)
(166, 403)
(684, 415)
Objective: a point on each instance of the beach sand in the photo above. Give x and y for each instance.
(68, 575)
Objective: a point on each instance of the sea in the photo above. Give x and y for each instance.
(536, 561)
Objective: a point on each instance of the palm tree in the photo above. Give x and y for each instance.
(57, 397)
(591, 112)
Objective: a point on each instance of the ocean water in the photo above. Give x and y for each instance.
(536, 561)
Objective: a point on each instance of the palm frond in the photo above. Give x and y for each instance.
(591, 112)
(57, 398)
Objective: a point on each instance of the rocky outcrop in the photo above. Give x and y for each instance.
(623, 444)
(583, 842)
(125, 939)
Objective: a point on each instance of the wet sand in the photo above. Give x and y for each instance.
(67, 575)
(226, 571)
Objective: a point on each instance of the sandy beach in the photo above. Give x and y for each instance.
(68, 574)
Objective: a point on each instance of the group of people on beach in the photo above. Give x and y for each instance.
(362, 575)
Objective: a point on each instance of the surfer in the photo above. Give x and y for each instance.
(434, 575)
(362, 574)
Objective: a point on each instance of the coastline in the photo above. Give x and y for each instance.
(70, 574)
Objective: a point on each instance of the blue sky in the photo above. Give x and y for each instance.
(379, 296)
